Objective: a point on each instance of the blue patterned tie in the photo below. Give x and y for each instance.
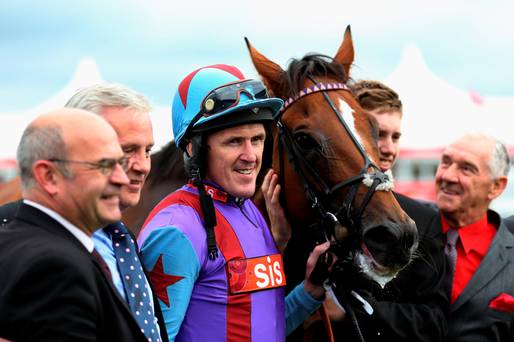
(134, 280)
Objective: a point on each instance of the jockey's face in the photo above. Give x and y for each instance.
(135, 135)
(234, 158)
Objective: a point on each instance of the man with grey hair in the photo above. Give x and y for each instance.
(472, 173)
(128, 113)
(96, 97)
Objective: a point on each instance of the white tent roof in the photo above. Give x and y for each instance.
(86, 74)
(435, 112)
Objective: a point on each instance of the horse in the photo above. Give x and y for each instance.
(325, 155)
(10, 191)
(325, 149)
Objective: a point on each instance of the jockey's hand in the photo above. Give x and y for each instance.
(280, 227)
(316, 289)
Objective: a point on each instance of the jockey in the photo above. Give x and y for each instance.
(215, 266)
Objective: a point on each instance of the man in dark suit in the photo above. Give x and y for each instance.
(473, 172)
(413, 306)
(127, 112)
(54, 287)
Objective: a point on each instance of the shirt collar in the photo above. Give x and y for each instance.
(217, 193)
(74, 230)
(475, 236)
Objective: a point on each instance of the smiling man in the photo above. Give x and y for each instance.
(128, 113)
(472, 173)
(236, 172)
(385, 106)
(212, 255)
(53, 285)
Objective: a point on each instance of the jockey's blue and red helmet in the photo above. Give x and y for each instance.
(216, 97)
(209, 99)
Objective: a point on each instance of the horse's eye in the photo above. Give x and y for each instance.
(305, 141)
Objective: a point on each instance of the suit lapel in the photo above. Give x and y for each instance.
(108, 279)
(497, 257)
(41, 220)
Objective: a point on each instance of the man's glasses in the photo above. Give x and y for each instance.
(228, 96)
(106, 166)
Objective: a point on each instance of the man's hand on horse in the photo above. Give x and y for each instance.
(280, 227)
(319, 264)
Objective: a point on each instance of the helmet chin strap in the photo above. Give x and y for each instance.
(196, 161)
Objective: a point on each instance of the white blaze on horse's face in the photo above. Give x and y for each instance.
(347, 114)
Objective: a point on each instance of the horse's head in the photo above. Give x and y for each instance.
(324, 149)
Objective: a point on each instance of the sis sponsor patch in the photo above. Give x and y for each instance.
(255, 274)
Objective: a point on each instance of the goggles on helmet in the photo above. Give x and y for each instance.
(228, 95)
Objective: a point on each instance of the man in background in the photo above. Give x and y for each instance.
(473, 172)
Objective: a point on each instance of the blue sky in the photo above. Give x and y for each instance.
(150, 45)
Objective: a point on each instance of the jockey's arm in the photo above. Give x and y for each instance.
(306, 297)
(179, 272)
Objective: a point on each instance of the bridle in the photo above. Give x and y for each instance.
(345, 217)
(375, 181)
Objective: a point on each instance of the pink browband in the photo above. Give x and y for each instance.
(314, 89)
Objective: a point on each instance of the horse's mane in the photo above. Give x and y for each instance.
(314, 65)
(167, 163)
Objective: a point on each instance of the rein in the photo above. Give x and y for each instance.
(376, 180)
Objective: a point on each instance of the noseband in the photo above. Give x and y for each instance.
(375, 181)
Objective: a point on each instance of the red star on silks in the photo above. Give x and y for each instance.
(161, 281)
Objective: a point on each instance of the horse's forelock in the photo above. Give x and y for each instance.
(314, 65)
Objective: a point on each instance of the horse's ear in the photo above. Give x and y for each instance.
(271, 73)
(346, 54)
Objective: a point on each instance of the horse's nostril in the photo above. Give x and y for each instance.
(391, 244)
